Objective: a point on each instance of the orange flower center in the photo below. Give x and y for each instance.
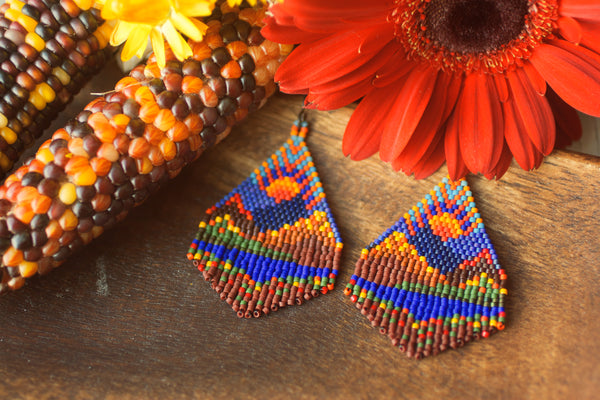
(468, 35)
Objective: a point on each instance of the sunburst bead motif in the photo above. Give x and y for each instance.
(470, 82)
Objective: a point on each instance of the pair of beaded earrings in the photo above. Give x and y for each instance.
(429, 282)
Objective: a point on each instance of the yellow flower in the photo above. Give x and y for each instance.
(139, 19)
(233, 3)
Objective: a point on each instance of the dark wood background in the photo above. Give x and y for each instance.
(130, 317)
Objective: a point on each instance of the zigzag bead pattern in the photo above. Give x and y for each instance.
(432, 280)
(272, 241)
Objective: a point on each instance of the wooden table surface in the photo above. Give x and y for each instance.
(130, 317)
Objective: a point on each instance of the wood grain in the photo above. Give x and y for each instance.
(130, 317)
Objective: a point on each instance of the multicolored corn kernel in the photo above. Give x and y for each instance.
(48, 50)
(272, 241)
(432, 281)
(125, 145)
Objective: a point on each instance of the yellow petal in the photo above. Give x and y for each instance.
(121, 32)
(185, 26)
(137, 42)
(194, 8)
(233, 3)
(158, 45)
(141, 11)
(141, 50)
(202, 27)
(108, 10)
(178, 44)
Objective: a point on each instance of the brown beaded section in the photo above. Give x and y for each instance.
(125, 145)
(48, 50)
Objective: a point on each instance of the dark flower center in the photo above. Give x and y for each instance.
(475, 26)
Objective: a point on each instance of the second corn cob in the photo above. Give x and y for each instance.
(48, 50)
(123, 146)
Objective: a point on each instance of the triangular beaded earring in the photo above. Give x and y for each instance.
(432, 280)
(272, 241)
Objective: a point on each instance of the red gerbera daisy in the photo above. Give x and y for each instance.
(471, 82)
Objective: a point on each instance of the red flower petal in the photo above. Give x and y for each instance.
(336, 9)
(363, 132)
(503, 163)
(443, 99)
(280, 15)
(328, 25)
(525, 153)
(535, 79)
(351, 87)
(568, 124)
(572, 71)
(480, 123)
(331, 16)
(332, 57)
(502, 87)
(432, 161)
(456, 166)
(584, 9)
(454, 89)
(408, 107)
(395, 69)
(333, 100)
(570, 29)
(591, 35)
(534, 111)
(286, 34)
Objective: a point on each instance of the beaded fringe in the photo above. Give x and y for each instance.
(432, 280)
(272, 241)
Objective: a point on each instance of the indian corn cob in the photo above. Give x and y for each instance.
(124, 145)
(48, 51)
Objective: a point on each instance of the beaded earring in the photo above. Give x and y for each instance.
(432, 280)
(272, 241)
